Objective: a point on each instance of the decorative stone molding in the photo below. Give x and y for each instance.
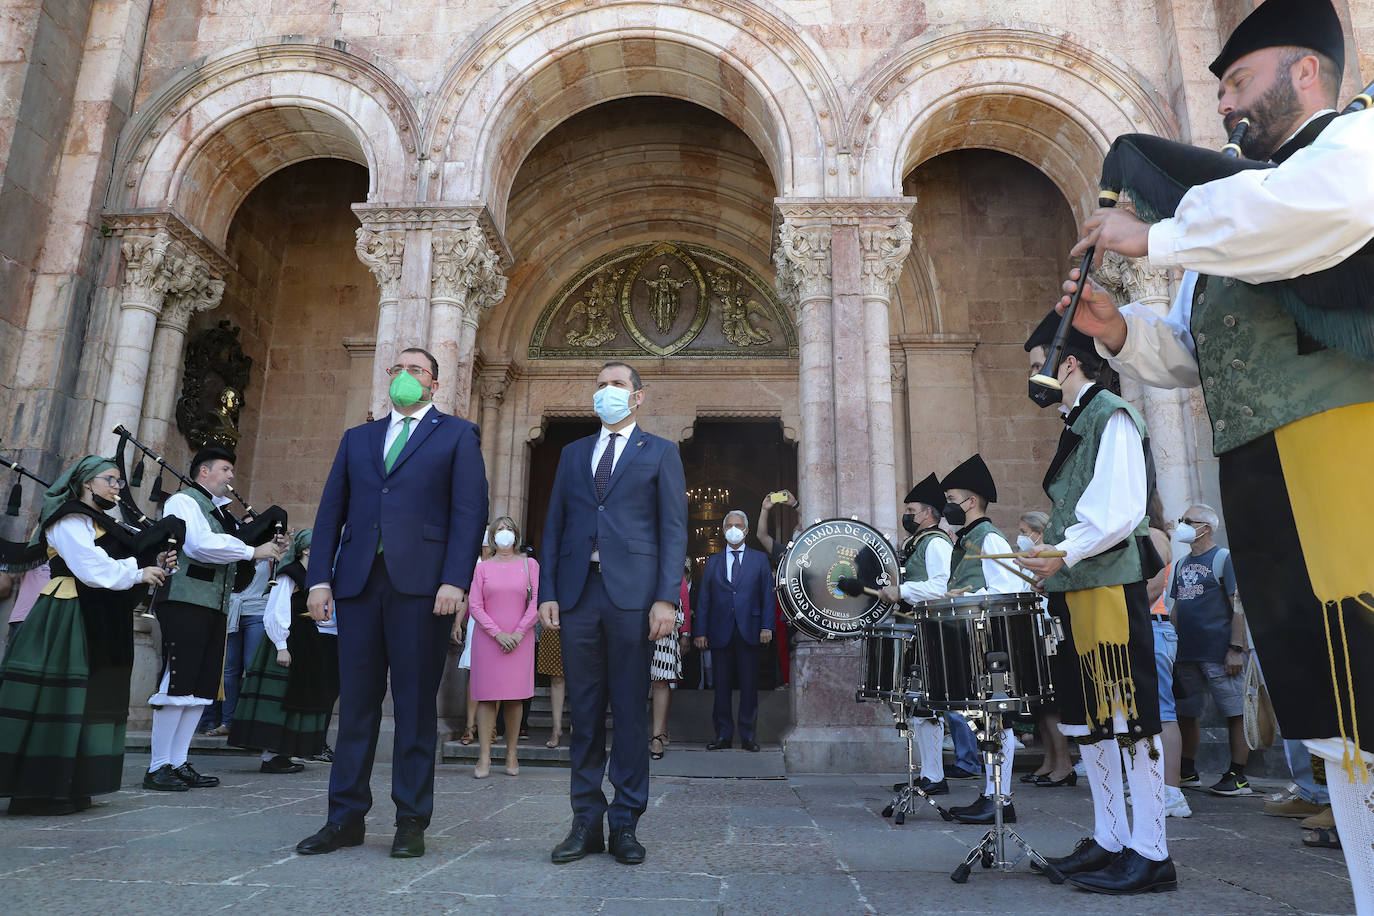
(441, 215)
(802, 259)
(465, 269)
(1134, 280)
(383, 253)
(146, 276)
(884, 251)
(195, 289)
(898, 370)
(170, 223)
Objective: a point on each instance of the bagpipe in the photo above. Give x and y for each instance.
(20, 556)
(1334, 306)
(254, 528)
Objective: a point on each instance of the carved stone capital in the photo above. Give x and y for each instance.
(1134, 280)
(898, 371)
(466, 269)
(193, 288)
(493, 391)
(884, 250)
(146, 274)
(383, 253)
(802, 259)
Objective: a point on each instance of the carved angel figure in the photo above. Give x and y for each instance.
(596, 308)
(737, 310)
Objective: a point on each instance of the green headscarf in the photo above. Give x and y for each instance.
(68, 487)
(298, 546)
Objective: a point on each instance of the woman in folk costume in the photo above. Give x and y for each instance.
(64, 684)
(291, 685)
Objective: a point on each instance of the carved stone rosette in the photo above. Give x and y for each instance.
(884, 250)
(383, 253)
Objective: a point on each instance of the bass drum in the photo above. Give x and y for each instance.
(813, 565)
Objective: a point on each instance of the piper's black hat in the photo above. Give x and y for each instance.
(973, 475)
(212, 453)
(928, 491)
(1078, 343)
(1279, 23)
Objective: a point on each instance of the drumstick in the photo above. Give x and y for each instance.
(854, 588)
(1007, 566)
(1019, 555)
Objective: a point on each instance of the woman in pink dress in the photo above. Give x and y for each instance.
(503, 602)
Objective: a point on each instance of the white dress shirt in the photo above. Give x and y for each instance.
(73, 537)
(939, 554)
(202, 544)
(622, 436)
(1114, 502)
(394, 429)
(1000, 580)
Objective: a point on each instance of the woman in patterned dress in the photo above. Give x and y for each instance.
(665, 668)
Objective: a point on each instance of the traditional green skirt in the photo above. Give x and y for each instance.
(262, 721)
(61, 724)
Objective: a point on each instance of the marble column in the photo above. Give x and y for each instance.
(466, 280)
(197, 290)
(151, 265)
(884, 248)
(384, 254)
(901, 436)
(493, 392)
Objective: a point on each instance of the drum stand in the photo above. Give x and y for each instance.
(991, 850)
(904, 802)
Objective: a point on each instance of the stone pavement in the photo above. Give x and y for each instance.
(804, 844)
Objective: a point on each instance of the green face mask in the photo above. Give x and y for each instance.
(406, 390)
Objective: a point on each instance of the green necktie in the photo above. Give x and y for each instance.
(395, 452)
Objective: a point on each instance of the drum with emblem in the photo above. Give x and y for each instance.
(808, 578)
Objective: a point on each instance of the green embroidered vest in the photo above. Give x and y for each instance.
(1117, 565)
(969, 574)
(202, 584)
(915, 568)
(1254, 376)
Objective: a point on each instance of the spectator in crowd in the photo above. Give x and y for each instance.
(1057, 767)
(665, 669)
(734, 618)
(244, 630)
(548, 661)
(775, 549)
(1306, 797)
(462, 635)
(503, 604)
(1211, 647)
(1166, 653)
(31, 585)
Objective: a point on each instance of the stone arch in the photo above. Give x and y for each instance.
(551, 59)
(914, 302)
(212, 134)
(1030, 92)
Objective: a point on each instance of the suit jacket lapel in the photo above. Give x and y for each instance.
(418, 435)
(634, 447)
(376, 440)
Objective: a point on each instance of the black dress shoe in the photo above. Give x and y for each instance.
(719, 744)
(1086, 856)
(958, 772)
(331, 837)
(1129, 873)
(581, 840)
(281, 764)
(187, 774)
(750, 746)
(164, 779)
(982, 812)
(410, 838)
(1045, 782)
(626, 849)
(934, 788)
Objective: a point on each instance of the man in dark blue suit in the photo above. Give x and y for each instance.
(735, 611)
(610, 576)
(403, 508)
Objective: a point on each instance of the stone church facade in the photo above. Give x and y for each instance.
(825, 226)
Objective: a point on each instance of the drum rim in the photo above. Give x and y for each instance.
(1001, 604)
(803, 623)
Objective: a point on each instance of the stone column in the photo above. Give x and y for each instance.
(884, 247)
(1168, 411)
(384, 254)
(466, 281)
(900, 430)
(493, 391)
(148, 271)
(196, 290)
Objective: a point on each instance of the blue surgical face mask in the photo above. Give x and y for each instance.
(612, 404)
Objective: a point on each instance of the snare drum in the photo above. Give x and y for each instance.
(957, 635)
(889, 654)
(808, 577)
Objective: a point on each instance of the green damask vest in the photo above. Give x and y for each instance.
(1255, 375)
(915, 568)
(1118, 565)
(969, 574)
(202, 584)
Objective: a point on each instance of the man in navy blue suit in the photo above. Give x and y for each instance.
(610, 576)
(403, 508)
(735, 610)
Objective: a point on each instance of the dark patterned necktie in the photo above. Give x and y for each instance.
(603, 469)
(734, 565)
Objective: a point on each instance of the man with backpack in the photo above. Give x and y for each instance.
(1211, 647)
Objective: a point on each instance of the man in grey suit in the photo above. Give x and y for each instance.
(611, 573)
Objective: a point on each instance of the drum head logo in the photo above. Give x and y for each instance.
(809, 578)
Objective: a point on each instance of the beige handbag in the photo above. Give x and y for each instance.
(1261, 726)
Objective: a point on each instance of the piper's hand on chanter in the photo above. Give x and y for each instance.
(267, 551)
(168, 560)
(152, 575)
(1097, 314)
(1113, 229)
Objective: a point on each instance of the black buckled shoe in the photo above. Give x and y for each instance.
(982, 812)
(164, 779)
(626, 849)
(331, 837)
(281, 764)
(719, 744)
(1086, 856)
(187, 774)
(1129, 873)
(409, 842)
(581, 841)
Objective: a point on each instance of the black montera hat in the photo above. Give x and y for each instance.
(973, 475)
(1280, 23)
(212, 453)
(1080, 344)
(928, 491)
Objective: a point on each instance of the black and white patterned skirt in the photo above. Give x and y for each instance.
(666, 664)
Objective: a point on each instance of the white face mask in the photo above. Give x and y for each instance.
(1186, 533)
(505, 538)
(1024, 543)
(734, 535)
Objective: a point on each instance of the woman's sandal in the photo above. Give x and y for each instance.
(467, 737)
(553, 742)
(657, 754)
(1322, 838)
